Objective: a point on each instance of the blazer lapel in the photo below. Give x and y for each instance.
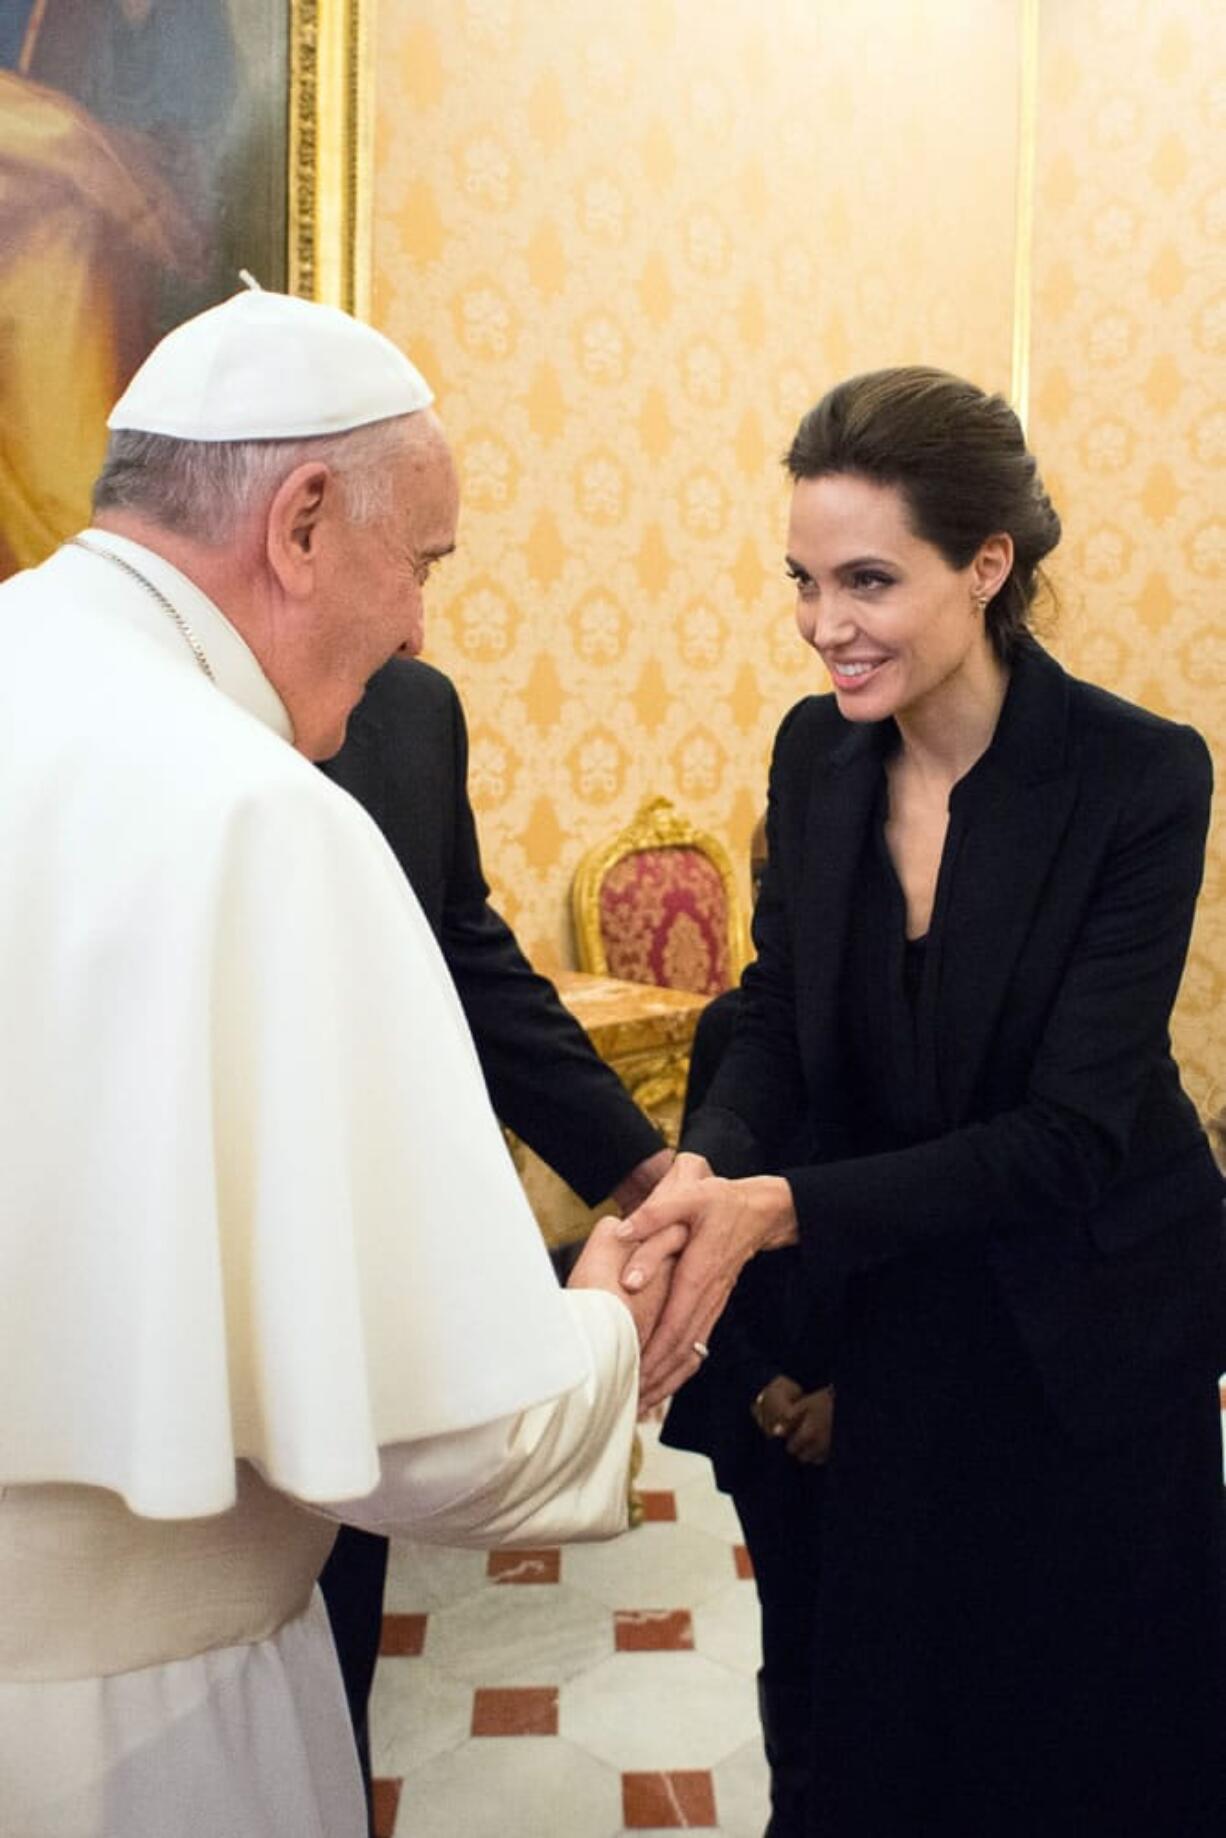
(1007, 822)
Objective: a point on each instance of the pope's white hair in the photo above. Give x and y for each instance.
(206, 489)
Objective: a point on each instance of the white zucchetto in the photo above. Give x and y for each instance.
(267, 366)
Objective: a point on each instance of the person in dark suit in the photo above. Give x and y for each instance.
(405, 758)
(971, 932)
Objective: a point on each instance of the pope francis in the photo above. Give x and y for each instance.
(264, 1261)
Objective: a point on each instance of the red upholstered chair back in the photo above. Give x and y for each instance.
(664, 920)
(658, 905)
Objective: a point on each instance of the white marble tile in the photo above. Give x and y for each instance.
(650, 1711)
(699, 1505)
(618, 1711)
(512, 1787)
(416, 1713)
(508, 1635)
(668, 1468)
(728, 1629)
(661, 1565)
(742, 1792)
(422, 1577)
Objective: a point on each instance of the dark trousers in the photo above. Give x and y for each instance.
(779, 1504)
(352, 1583)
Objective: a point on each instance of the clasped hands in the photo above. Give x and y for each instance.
(676, 1258)
(801, 1420)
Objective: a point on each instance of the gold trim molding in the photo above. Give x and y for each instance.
(330, 130)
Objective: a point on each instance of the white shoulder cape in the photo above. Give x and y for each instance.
(253, 1200)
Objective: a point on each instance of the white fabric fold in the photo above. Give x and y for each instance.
(555, 1474)
(256, 1203)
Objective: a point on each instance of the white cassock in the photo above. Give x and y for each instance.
(261, 1243)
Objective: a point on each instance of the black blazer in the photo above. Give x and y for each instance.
(405, 759)
(1070, 873)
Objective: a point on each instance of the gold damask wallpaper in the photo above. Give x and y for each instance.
(631, 245)
(1128, 406)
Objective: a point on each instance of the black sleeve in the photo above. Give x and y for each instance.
(1051, 1157)
(546, 1081)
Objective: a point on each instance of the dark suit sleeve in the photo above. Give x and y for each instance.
(1050, 1159)
(546, 1081)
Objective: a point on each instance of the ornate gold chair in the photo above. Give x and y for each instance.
(658, 904)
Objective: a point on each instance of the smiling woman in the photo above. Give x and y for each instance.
(896, 625)
(970, 934)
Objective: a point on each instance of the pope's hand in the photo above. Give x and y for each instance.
(602, 1263)
(727, 1221)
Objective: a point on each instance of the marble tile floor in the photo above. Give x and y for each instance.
(599, 1691)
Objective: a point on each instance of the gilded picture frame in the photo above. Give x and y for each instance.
(150, 151)
(330, 124)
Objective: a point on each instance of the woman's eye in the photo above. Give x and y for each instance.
(865, 579)
(802, 582)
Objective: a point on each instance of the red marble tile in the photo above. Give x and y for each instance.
(658, 1506)
(387, 1799)
(403, 1636)
(743, 1562)
(520, 1710)
(653, 1630)
(524, 1566)
(668, 1802)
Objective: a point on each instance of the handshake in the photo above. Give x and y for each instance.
(675, 1258)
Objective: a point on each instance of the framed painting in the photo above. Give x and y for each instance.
(151, 151)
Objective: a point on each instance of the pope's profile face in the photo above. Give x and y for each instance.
(374, 591)
(395, 554)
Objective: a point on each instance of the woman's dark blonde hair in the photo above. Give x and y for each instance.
(960, 460)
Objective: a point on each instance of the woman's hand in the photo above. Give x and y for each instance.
(727, 1221)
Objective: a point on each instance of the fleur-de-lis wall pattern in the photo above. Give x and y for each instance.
(630, 245)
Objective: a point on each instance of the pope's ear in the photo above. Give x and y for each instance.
(296, 516)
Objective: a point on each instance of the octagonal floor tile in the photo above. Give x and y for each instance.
(653, 1711)
(421, 1577)
(416, 1713)
(699, 1505)
(728, 1629)
(511, 1787)
(654, 1566)
(668, 1468)
(520, 1636)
